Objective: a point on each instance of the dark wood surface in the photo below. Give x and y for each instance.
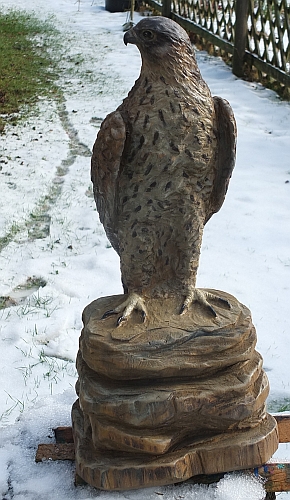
(63, 451)
(276, 475)
(65, 435)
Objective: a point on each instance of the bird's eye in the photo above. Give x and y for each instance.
(147, 34)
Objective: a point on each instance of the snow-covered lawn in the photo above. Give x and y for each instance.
(45, 183)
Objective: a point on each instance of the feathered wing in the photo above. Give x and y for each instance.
(105, 166)
(226, 154)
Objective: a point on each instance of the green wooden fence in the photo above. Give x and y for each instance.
(256, 32)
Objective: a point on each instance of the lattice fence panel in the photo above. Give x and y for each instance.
(269, 31)
(218, 17)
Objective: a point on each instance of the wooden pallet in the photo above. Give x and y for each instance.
(276, 473)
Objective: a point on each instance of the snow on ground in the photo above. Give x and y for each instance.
(50, 235)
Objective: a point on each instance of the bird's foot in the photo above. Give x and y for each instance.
(203, 297)
(133, 301)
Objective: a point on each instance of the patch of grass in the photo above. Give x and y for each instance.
(278, 405)
(27, 69)
(12, 231)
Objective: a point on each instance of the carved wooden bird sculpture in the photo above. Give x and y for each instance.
(161, 166)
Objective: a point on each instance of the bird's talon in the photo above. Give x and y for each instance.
(109, 313)
(182, 309)
(224, 302)
(212, 311)
(121, 320)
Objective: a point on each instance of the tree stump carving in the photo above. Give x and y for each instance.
(179, 397)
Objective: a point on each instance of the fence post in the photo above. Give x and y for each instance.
(241, 31)
(166, 8)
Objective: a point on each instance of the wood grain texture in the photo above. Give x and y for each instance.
(63, 435)
(159, 403)
(167, 345)
(276, 474)
(161, 166)
(283, 422)
(110, 470)
(62, 451)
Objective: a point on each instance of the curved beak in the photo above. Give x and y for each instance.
(130, 37)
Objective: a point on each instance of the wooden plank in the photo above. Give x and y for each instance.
(155, 5)
(166, 8)
(63, 435)
(264, 67)
(283, 422)
(277, 476)
(64, 451)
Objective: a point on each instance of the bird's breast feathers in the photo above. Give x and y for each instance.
(171, 137)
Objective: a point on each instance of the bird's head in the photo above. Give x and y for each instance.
(158, 38)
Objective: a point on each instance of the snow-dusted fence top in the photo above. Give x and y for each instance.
(253, 31)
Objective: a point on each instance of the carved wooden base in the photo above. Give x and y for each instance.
(110, 470)
(172, 398)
